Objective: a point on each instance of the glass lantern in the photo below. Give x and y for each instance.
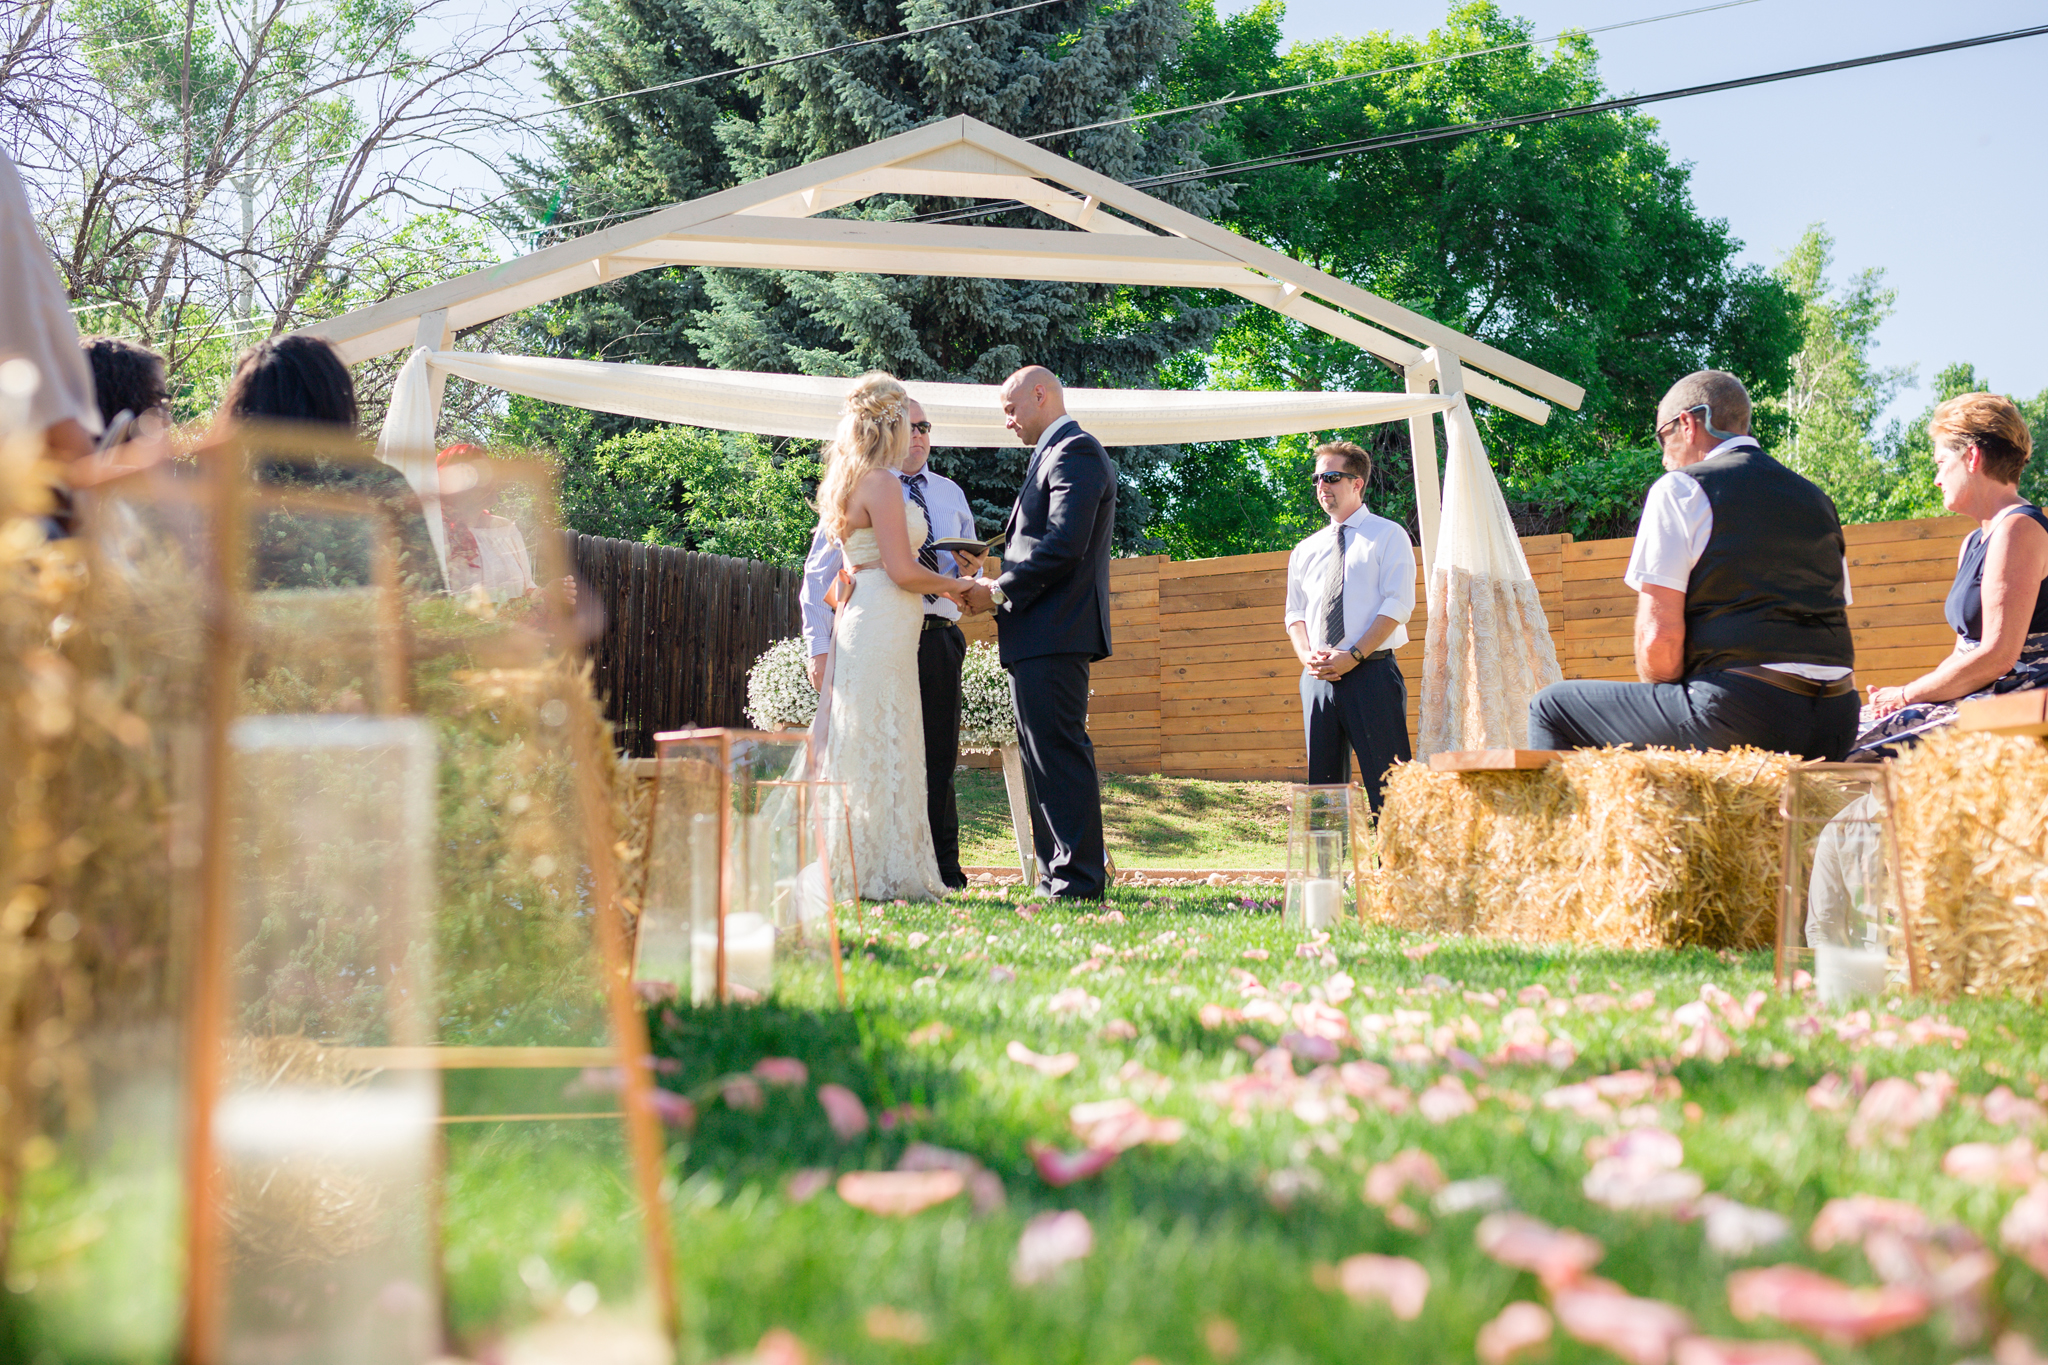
(325, 1168)
(723, 848)
(1318, 856)
(1838, 903)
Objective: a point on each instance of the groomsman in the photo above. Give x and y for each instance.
(1350, 592)
(940, 649)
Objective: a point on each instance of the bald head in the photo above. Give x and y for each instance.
(1032, 401)
(1698, 413)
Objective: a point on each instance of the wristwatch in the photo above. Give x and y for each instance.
(996, 596)
(1356, 657)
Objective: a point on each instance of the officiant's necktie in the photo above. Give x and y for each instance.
(1333, 594)
(926, 555)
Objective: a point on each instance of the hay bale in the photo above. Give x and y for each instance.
(1654, 848)
(1972, 817)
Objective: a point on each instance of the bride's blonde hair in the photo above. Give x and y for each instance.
(874, 433)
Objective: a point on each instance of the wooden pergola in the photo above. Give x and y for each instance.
(1125, 237)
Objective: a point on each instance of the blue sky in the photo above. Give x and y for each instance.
(1928, 168)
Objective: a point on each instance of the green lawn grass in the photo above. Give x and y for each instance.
(1214, 1248)
(1149, 822)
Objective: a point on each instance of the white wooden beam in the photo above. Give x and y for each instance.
(1429, 497)
(434, 333)
(1073, 208)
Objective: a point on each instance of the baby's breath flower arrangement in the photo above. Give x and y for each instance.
(779, 693)
(988, 721)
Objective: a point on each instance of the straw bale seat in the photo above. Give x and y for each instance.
(1623, 848)
(1972, 816)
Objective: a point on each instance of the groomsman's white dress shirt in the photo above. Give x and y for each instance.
(950, 516)
(1379, 579)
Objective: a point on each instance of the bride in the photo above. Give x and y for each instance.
(872, 720)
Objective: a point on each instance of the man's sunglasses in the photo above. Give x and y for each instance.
(921, 428)
(1331, 476)
(1700, 408)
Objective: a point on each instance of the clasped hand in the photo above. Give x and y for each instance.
(1329, 664)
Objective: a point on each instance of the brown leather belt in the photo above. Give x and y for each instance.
(938, 622)
(1805, 687)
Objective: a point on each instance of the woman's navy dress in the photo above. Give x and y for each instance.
(1964, 611)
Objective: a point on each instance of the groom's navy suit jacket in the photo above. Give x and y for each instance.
(1056, 553)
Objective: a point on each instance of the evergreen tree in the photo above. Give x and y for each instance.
(1040, 71)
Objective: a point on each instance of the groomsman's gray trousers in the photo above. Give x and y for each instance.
(1365, 712)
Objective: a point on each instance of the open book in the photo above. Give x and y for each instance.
(967, 545)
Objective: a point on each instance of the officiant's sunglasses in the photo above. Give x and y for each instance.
(921, 428)
(1331, 476)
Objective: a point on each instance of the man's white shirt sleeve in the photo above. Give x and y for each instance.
(821, 566)
(1677, 523)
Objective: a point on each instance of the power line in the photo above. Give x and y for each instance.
(1391, 140)
(1386, 70)
(780, 61)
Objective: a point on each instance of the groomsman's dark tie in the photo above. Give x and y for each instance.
(1333, 594)
(926, 555)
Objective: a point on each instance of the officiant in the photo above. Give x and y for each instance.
(1350, 592)
(941, 647)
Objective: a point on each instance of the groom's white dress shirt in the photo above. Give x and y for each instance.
(950, 516)
(1379, 578)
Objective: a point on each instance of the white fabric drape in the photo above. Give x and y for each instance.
(1488, 650)
(406, 443)
(809, 405)
(35, 318)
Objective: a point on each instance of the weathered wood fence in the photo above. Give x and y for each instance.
(680, 631)
(1204, 684)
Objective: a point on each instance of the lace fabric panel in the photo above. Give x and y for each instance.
(876, 741)
(1488, 650)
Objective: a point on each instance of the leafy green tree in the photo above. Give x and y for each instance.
(1036, 72)
(717, 492)
(1836, 394)
(1573, 244)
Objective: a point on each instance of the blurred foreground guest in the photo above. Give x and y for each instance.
(300, 380)
(1998, 606)
(36, 326)
(1350, 592)
(128, 382)
(1742, 626)
(485, 550)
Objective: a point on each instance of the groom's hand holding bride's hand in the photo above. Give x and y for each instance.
(977, 596)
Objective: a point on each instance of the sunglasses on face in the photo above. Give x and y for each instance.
(921, 428)
(1700, 408)
(1331, 476)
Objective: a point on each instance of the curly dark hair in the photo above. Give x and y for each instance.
(126, 376)
(292, 378)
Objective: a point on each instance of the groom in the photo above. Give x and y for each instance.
(1052, 622)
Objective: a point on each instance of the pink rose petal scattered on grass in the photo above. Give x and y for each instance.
(1415, 952)
(1724, 1351)
(1640, 1331)
(2012, 1348)
(744, 1094)
(1050, 1241)
(1121, 1125)
(1386, 1182)
(844, 1111)
(2024, 1229)
(928, 1034)
(1647, 1146)
(1848, 1220)
(675, 1111)
(2004, 1108)
(1735, 1229)
(1053, 1066)
(1398, 1282)
(1520, 1329)
(1555, 1256)
(1823, 1305)
(781, 1071)
(897, 1326)
(899, 1194)
(1060, 1169)
(1829, 1095)
(1991, 1163)
(1445, 1100)
(806, 1184)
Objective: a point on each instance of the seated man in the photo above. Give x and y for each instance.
(1742, 627)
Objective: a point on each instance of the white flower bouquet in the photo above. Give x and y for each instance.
(988, 721)
(779, 692)
(779, 695)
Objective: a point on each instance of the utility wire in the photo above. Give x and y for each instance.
(1391, 140)
(780, 61)
(1386, 70)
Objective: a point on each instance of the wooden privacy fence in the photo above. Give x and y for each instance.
(680, 631)
(1204, 684)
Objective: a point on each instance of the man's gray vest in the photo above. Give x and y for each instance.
(1768, 588)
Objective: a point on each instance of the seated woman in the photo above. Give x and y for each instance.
(300, 379)
(486, 552)
(1998, 607)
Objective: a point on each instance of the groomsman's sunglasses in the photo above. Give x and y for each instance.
(1331, 476)
(921, 428)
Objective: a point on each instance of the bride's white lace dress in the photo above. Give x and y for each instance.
(875, 739)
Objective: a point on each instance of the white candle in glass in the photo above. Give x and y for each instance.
(1320, 898)
(749, 956)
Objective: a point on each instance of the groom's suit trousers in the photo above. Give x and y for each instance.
(940, 651)
(1050, 692)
